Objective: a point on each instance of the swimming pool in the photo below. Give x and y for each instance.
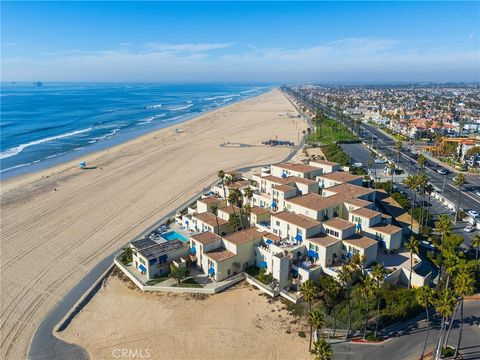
(173, 235)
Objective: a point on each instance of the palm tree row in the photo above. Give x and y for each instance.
(235, 198)
(418, 185)
(456, 281)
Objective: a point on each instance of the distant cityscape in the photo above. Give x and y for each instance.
(444, 118)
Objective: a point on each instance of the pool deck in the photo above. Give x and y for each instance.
(181, 230)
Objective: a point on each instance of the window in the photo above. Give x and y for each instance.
(277, 223)
(245, 264)
(299, 232)
(344, 247)
(311, 247)
(228, 272)
(332, 232)
(141, 260)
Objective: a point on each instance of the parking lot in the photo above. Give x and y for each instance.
(437, 208)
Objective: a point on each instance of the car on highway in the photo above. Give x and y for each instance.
(380, 161)
(469, 229)
(442, 171)
(474, 214)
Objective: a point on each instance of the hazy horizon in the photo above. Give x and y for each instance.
(271, 43)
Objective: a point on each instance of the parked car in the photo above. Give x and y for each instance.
(477, 192)
(472, 213)
(442, 171)
(427, 244)
(469, 229)
(380, 161)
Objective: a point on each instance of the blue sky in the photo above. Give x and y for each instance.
(254, 42)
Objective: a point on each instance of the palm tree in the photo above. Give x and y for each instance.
(378, 273)
(464, 285)
(368, 290)
(316, 321)
(444, 305)
(476, 245)
(233, 199)
(422, 181)
(458, 181)
(248, 193)
(234, 222)
(429, 189)
(424, 296)
(221, 175)
(331, 294)
(411, 246)
(214, 211)
(398, 145)
(421, 161)
(345, 278)
(450, 263)
(309, 292)
(322, 350)
(444, 227)
(392, 171)
(411, 183)
(247, 209)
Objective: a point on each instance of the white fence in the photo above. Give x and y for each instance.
(261, 286)
(289, 296)
(179, 289)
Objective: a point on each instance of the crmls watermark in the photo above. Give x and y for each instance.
(131, 353)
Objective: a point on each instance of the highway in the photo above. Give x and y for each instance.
(385, 144)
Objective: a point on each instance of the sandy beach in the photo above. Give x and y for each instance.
(58, 223)
(240, 323)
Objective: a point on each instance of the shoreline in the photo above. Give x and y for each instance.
(66, 233)
(87, 151)
(90, 157)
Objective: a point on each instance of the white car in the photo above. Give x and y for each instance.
(427, 244)
(469, 229)
(477, 192)
(442, 171)
(380, 161)
(474, 214)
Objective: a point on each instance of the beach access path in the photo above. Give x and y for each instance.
(51, 239)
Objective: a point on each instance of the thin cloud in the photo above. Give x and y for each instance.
(344, 59)
(202, 47)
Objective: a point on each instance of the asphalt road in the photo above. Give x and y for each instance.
(408, 343)
(469, 200)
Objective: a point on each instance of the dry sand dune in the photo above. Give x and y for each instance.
(240, 323)
(50, 239)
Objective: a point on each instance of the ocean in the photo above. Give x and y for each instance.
(41, 126)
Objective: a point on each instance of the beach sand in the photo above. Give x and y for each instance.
(50, 239)
(240, 323)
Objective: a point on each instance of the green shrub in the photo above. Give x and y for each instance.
(252, 271)
(263, 277)
(302, 334)
(448, 351)
(400, 304)
(402, 200)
